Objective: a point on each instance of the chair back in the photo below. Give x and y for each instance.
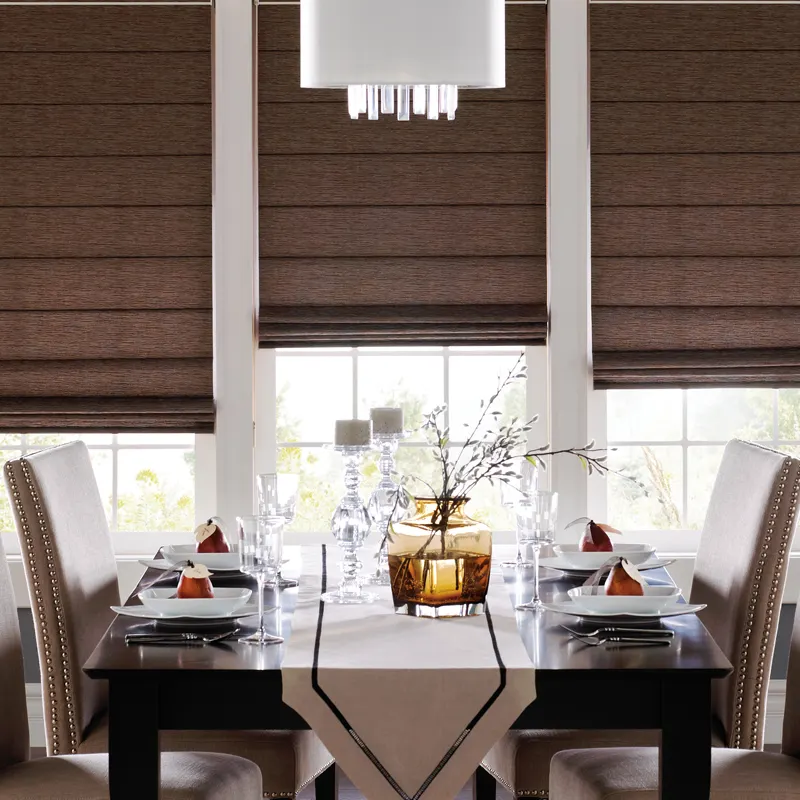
(14, 736)
(740, 574)
(72, 580)
(791, 713)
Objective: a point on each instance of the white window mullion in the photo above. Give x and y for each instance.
(568, 246)
(235, 277)
(205, 475)
(536, 402)
(266, 456)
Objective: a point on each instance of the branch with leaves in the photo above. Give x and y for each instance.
(493, 450)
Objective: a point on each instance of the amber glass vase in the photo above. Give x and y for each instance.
(439, 561)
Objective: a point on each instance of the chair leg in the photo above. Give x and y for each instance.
(326, 786)
(485, 785)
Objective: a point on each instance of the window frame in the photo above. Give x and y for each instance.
(144, 544)
(267, 445)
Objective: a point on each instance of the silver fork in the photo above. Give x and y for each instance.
(620, 641)
(665, 632)
(175, 638)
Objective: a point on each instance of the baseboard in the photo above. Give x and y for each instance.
(33, 699)
(776, 701)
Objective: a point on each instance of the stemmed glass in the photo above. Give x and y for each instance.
(536, 525)
(511, 495)
(277, 497)
(260, 556)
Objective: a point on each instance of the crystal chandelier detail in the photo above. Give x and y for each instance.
(402, 57)
(431, 100)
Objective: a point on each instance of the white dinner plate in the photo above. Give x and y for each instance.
(216, 562)
(654, 600)
(571, 609)
(165, 566)
(554, 562)
(571, 554)
(140, 612)
(164, 602)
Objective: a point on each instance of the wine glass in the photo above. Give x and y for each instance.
(513, 493)
(277, 497)
(260, 556)
(536, 525)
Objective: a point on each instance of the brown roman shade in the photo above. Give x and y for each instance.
(105, 219)
(384, 232)
(695, 194)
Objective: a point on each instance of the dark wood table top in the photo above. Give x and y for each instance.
(693, 652)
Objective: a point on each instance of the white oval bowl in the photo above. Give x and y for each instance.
(176, 553)
(571, 555)
(655, 599)
(224, 601)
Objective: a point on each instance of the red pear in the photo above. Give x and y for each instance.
(624, 579)
(594, 539)
(211, 539)
(194, 583)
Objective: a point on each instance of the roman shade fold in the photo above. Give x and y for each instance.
(695, 199)
(387, 232)
(105, 218)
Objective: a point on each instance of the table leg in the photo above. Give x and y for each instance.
(485, 786)
(133, 740)
(326, 786)
(685, 754)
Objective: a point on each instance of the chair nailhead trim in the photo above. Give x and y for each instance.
(741, 677)
(36, 587)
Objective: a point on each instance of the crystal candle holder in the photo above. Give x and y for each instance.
(350, 526)
(389, 502)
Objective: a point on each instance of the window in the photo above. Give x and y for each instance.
(672, 440)
(147, 481)
(317, 386)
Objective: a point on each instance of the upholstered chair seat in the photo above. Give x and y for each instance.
(632, 773)
(72, 578)
(184, 776)
(740, 572)
(282, 756)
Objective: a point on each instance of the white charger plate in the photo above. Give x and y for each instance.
(572, 610)
(554, 562)
(140, 612)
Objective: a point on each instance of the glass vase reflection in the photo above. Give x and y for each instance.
(350, 526)
(389, 503)
(440, 560)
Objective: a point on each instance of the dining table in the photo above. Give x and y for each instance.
(235, 686)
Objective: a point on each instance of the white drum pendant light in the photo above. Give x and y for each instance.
(399, 56)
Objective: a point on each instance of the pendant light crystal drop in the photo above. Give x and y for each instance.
(402, 56)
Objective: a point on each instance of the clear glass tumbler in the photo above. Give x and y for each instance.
(277, 497)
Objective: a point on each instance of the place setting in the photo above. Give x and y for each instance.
(197, 611)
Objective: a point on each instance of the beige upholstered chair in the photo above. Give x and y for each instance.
(72, 579)
(739, 573)
(632, 773)
(205, 776)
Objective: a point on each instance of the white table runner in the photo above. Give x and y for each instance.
(407, 706)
